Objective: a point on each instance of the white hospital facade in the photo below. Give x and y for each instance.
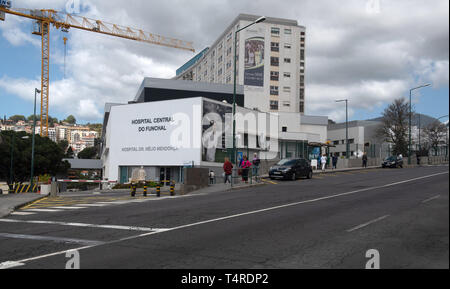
(279, 57)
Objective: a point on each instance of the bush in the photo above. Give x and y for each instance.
(139, 186)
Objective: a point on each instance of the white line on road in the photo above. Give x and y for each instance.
(93, 205)
(50, 238)
(228, 217)
(67, 208)
(8, 264)
(430, 199)
(22, 213)
(117, 227)
(43, 210)
(367, 224)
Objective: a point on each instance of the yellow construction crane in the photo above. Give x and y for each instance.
(46, 17)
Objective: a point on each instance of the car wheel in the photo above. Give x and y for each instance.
(310, 175)
(294, 177)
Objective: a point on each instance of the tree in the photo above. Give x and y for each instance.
(395, 126)
(47, 157)
(88, 153)
(435, 134)
(69, 154)
(17, 117)
(71, 119)
(63, 144)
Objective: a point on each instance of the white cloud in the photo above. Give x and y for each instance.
(369, 58)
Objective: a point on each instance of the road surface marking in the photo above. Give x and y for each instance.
(67, 208)
(43, 210)
(50, 238)
(430, 199)
(367, 224)
(22, 213)
(225, 218)
(117, 227)
(7, 265)
(93, 205)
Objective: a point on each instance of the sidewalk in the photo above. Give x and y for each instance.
(10, 202)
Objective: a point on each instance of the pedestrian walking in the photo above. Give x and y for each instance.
(364, 159)
(228, 170)
(418, 159)
(255, 162)
(245, 166)
(211, 177)
(323, 161)
(335, 160)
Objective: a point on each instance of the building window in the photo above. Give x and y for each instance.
(228, 64)
(302, 45)
(274, 75)
(287, 31)
(228, 78)
(287, 74)
(273, 90)
(220, 71)
(302, 54)
(287, 60)
(274, 61)
(302, 33)
(302, 39)
(273, 105)
(220, 59)
(302, 107)
(302, 80)
(229, 36)
(275, 46)
(205, 73)
(302, 94)
(287, 89)
(228, 51)
(275, 31)
(287, 46)
(336, 142)
(286, 103)
(351, 141)
(284, 129)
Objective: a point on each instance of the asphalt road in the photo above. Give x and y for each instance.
(330, 221)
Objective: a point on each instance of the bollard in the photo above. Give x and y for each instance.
(133, 190)
(172, 188)
(158, 190)
(145, 189)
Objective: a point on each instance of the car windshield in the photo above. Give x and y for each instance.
(391, 159)
(286, 162)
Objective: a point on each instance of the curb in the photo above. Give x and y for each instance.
(16, 207)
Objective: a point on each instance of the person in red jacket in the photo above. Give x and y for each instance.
(228, 169)
(245, 165)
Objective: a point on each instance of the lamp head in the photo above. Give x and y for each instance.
(260, 19)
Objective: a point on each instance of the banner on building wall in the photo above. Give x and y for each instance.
(254, 61)
(214, 128)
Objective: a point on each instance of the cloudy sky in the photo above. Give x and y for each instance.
(368, 51)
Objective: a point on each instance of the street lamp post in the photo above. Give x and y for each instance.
(410, 114)
(260, 19)
(36, 91)
(347, 149)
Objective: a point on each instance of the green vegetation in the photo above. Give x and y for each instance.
(47, 159)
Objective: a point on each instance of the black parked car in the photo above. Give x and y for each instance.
(392, 162)
(291, 169)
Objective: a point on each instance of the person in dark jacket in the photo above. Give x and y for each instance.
(364, 159)
(228, 170)
(335, 160)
